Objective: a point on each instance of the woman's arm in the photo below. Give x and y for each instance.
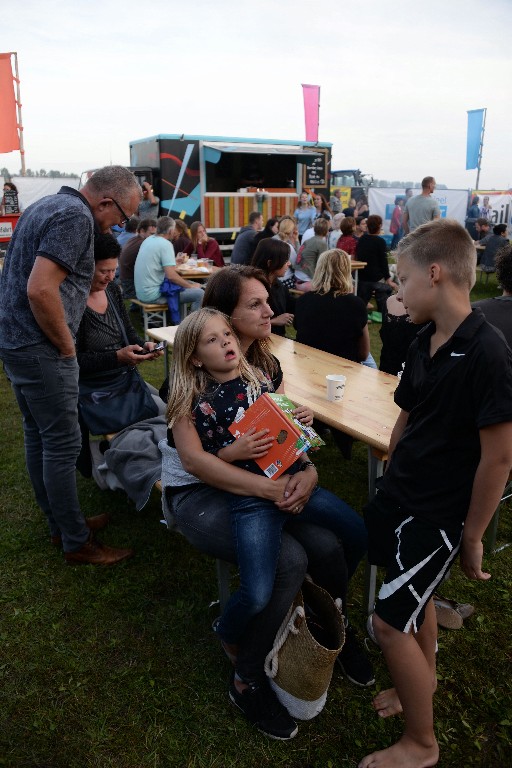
(212, 251)
(364, 344)
(218, 473)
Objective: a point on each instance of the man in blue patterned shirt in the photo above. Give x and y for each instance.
(43, 291)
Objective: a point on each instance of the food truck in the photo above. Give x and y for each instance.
(220, 180)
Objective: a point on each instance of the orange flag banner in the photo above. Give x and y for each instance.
(9, 138)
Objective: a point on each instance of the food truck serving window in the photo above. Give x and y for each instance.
(232, 166)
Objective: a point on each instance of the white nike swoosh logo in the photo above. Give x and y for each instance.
(458, 354)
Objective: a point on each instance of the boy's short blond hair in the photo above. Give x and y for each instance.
(442, 241)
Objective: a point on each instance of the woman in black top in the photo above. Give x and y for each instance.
(100, 343)
(273, 258)
(330, 317)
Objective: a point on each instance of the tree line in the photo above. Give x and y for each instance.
(49, 174)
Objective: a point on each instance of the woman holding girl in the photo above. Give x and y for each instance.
(201, 496)
(205, 246)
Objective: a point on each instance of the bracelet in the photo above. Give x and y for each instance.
(305, 465)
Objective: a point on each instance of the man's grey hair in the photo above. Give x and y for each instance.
(116, 182)
(164, 225)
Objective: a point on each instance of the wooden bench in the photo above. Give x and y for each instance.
(222, 568)
(151, 313)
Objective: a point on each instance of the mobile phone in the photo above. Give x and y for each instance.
(159, 346)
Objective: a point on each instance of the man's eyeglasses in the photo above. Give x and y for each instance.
(123, 214)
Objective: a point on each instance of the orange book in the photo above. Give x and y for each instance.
(289, 440)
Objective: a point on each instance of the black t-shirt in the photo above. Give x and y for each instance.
(465, 386)
(280, 301)
(372, 249)
(498, 312)
(331, 323)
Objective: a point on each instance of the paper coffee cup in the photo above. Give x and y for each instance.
(335, 386)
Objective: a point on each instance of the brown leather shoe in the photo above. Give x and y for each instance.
(95, 523)
(95, 553)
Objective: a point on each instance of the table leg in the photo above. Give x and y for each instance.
(375, 470)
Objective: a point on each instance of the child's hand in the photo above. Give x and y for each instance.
(304, 415)
(471, 560)
(253, 445)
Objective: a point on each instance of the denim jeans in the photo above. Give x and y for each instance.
(46, 388)
(257, 525)
(256, 528)
(192, 296)
(203, 516)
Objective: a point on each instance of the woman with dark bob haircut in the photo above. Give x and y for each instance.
(273, 258)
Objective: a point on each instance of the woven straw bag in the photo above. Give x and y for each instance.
(300, 664)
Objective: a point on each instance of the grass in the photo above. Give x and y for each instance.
(118, 667)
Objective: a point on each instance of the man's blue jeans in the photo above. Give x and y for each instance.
(46, 388)
(192, 296)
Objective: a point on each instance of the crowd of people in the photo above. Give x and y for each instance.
(454, 395)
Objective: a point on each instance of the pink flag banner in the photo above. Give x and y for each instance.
(9, 138)
(311, 95)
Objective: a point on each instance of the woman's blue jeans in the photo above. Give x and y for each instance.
(257, 525)
(203, 516)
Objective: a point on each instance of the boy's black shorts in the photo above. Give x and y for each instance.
(416, 554)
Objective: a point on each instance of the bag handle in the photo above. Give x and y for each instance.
(119, 321)
(272, 661)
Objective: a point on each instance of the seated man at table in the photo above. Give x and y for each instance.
(493, 244)
(155, 262)
(129, 253)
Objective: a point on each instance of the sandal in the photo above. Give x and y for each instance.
(451, 614)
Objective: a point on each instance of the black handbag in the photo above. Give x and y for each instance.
(109, 401)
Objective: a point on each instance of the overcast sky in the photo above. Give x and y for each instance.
(396, 79)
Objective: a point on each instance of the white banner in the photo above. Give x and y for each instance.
(500, 204)
(452, 202)
(32, 188)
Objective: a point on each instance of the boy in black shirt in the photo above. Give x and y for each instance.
(450, 456)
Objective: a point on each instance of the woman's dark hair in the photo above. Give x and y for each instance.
(106, 247)
(504, 267)
(223, 291)
(268, 228)
(374, 224)
(270, 255)
(11, 186)
(499, 229)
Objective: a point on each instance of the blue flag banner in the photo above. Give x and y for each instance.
(475, 124)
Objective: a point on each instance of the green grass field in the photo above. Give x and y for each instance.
(119, 668)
